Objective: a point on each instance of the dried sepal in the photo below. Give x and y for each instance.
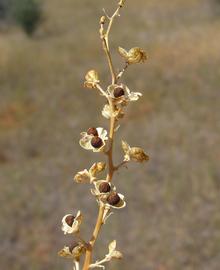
(71, 223)
(92, 79)
(134, 55)
(107, 214)
(133, 153)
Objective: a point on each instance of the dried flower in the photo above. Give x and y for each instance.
(73, 251)
(115, 200)
(94, 143)
(113, 253)
(88, 176)
(133, 56)
(71, 224)
(102, 190)
(92, 79)
(122, 95)
(134, 153)
(83, 177)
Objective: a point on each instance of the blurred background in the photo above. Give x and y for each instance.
(172, 221)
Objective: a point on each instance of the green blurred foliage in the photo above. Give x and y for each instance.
(27, 13)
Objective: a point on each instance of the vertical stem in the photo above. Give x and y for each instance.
(99, 221)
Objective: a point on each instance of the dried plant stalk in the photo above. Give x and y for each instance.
(118, 97)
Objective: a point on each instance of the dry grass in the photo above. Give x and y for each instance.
(173, 220)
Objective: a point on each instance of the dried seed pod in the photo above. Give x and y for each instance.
(113, 199)
(96, 142)
(92, 131)
(69, 220)
(118, 92)
(104, 187)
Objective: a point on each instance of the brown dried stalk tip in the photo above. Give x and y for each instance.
(121, 3)
(92, 131)
(96, 142)
(113, 198)
(104, 187)
(103, 20)
(69, 220)
(118, 92)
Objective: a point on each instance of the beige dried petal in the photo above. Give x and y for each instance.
(92, 79)
(65, 253)
(121, 3)
(97, 168)
(138, 154)
(82, 177)
(116, 255)
(136, 55)
(123, 52)
(106, 112)
(125, 146)
(112, 246)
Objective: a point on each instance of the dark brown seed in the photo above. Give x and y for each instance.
(96, 142)
(113, 198)
(118, 92)
(92, 131)
(72, 246)
(104, 187)
(70, 220)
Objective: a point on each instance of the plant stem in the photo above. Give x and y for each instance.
(111, 169)
(99, 221)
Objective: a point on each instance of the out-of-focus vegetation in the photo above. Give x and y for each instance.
(25, 13)
(173, 212)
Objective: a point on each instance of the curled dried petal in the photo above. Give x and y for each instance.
(92, 79)
(134, 55)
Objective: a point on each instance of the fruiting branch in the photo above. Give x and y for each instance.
(97, 139)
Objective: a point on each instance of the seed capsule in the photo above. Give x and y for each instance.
(92, 131)
(113, 198)
(104, 187)
(69, 220)
(96, 142)
(118, 92)
(72, 246)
